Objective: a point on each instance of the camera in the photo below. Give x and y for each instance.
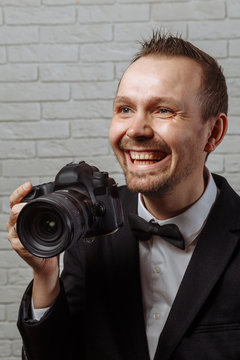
(82, 202)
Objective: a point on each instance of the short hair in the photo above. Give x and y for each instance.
(213, 95)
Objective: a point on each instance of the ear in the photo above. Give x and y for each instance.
(217, 132)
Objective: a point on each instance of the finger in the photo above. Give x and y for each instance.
(19, 193)
(15, 242)
(13, 215)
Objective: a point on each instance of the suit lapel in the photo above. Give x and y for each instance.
(215, 247)
(127, 276)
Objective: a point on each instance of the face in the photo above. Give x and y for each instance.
(157, 132)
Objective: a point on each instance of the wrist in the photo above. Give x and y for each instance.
(45, 290)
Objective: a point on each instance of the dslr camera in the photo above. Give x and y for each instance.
(82, 202)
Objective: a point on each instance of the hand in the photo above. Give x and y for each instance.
(46, 271)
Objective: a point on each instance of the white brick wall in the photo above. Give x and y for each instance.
(60, 61)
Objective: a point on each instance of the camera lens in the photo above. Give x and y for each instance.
(47, 225)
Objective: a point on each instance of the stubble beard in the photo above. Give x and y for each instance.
(150, 183)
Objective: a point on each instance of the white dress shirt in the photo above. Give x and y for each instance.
(163, 265)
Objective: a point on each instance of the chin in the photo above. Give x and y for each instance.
(148, 186)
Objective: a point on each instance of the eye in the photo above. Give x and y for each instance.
(125, 110)
(164, 112)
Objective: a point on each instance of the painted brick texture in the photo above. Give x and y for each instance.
(60, 63)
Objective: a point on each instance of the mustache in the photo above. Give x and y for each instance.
(143, 144)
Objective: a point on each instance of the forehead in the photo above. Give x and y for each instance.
(179, 76)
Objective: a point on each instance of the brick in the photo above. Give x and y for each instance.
(231, 67)
(7, 185)
(8, 330)
(78, 109)
(5, 204)
(80, 2)
(3, 55)
(2, 312)
(37, 130)
(113, 13)
(50, 167)
(198, 10)
(138, 31)
(59, 2)
(33, 92)
(32, 168)
(234, 106)
(230, 144)
(120, 68)
(77, 72)
(234, 47)
(39, 15)
(83, 128)
(106, 163)
(224, 29)
(56, 148)
(233, 8)
(94, 2)
(95, 90)
(20, 276)
(12, 311)
(233, 87)
(76, 33)
(3, 276)
(20, 2)
(16, 149)
(10, 294)
(43, 53)
(20, 112)
(4, 243)
(215, 48)
(3, 221)
(107, 52)
(10, 260)
(18, 35)
(10, 73)
(5, 348)
(233, 125)
(16, 347)
(232, 163)
(152, 1)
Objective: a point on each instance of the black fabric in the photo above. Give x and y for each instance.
(143, 230)
(99, 312)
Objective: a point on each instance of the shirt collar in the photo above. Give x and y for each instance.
(191, 221)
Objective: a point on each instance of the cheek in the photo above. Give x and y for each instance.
(116, 132)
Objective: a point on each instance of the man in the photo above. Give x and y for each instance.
(134, 294)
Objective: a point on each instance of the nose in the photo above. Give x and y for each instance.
(140, 127)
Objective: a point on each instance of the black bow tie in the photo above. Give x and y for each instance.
(144, 230)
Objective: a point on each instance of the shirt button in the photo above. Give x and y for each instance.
(157, 269)
(156, 316)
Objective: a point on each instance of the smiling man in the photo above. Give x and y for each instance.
(165, 286)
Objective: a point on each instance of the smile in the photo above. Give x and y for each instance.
(146, 157)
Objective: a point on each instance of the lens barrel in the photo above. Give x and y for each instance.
(47, 225)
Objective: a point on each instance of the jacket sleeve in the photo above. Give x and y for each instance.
(58, 335)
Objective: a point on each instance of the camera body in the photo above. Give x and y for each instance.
(82, 202)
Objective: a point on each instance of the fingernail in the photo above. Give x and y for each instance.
(27, 185)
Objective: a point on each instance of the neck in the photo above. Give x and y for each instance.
(171, 204)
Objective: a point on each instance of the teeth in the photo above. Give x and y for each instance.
(141, 162)
(147, 156)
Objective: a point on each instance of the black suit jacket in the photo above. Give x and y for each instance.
(99, 316)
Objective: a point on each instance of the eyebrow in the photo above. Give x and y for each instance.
(154, 100)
